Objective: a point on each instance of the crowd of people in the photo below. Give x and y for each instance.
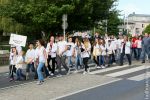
(44, 60)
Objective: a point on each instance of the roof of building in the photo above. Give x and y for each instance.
(139, 15)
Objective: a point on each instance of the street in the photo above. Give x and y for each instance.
(114, 83)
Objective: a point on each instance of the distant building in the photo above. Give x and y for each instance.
(135, 23)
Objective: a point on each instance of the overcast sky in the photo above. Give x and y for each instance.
(137, 6)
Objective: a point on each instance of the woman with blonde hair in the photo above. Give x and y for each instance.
(86, 52)
(96, 52)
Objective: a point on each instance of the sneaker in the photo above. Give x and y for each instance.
(11, 79)
(76, 71)
(39, 83)
(52, 74)
(98, 67)
(59, 75)
(84, 72)
(103, 67)
(27, 77)
(49, 72)
(143, 61)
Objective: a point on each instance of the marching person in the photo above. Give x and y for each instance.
(19, 66)
(102, 59)
(42, 60)
(145, 47)
(86, 52)
(139, 47)
(125, 50)
(61, 55)
(12, 58)
(51, 51)
(96, 52)
(70, 52)
(30, 59)
(77, 54)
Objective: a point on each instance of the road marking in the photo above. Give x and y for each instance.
(108, 69)
(82, 90)
(140, 77)
(128, 71)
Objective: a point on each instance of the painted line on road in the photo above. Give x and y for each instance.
(128, 71)
(82, 90)
(108, 69)
(140, 77)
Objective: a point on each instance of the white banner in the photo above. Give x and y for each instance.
(18, 40)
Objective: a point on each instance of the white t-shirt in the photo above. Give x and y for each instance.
(139, 43)
(30, 54)
(61, 45)
(19, 62)
(70, 50)
(41, 54)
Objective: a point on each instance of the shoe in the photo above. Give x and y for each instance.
(11, 79)
(84, 72)
(143, 61)
(59, 75)
(98, 67)
(103, 67)
(88, 70)
(49, 72)
(39, 83)
(27, 77)
(76, 71)
(52, 74)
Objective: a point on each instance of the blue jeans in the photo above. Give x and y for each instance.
(39, 71)
(78, 60)
(69, 61)
(145, 50)
(20, 74)
(102, 60)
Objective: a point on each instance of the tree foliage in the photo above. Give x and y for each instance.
(147, 29)
(46, 15)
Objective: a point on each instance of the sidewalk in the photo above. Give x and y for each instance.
(4, 69)
(53, 88)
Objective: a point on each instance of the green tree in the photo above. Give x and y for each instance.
(46, 15)
(147, 29)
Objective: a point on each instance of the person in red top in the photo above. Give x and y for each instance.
(134, 47)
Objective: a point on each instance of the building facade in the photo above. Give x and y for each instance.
(135, 23)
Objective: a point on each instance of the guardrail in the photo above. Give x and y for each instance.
(4, 59)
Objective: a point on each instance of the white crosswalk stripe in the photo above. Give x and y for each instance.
(120, 71)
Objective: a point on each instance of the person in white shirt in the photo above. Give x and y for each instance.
(19, 66)
(96, 52)
(70, 52)
(42, 59)
(51, 51)
(125, 50)
(61, 55)
(86, 52)
(30, 59)
(77, 54)
(102, 59)
(12, 58)
(139, 47)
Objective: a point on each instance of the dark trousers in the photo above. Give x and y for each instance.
(128, 57)
(52, 69)
(85, 62)
(12, 70)
(110, 59)
(96, 60)
(61, 61)
(139, 50)
(30, 66)
(134, 51)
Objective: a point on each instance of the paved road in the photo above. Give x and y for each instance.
(114, 83)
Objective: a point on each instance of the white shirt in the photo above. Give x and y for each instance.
(41, 54)
(127, 48)
(19, 62)
(51, 51)
(103, 48)
(87, 51)
(30, 54)
(61, 45)
(71, 47)
(139, 43)
(12, 59)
